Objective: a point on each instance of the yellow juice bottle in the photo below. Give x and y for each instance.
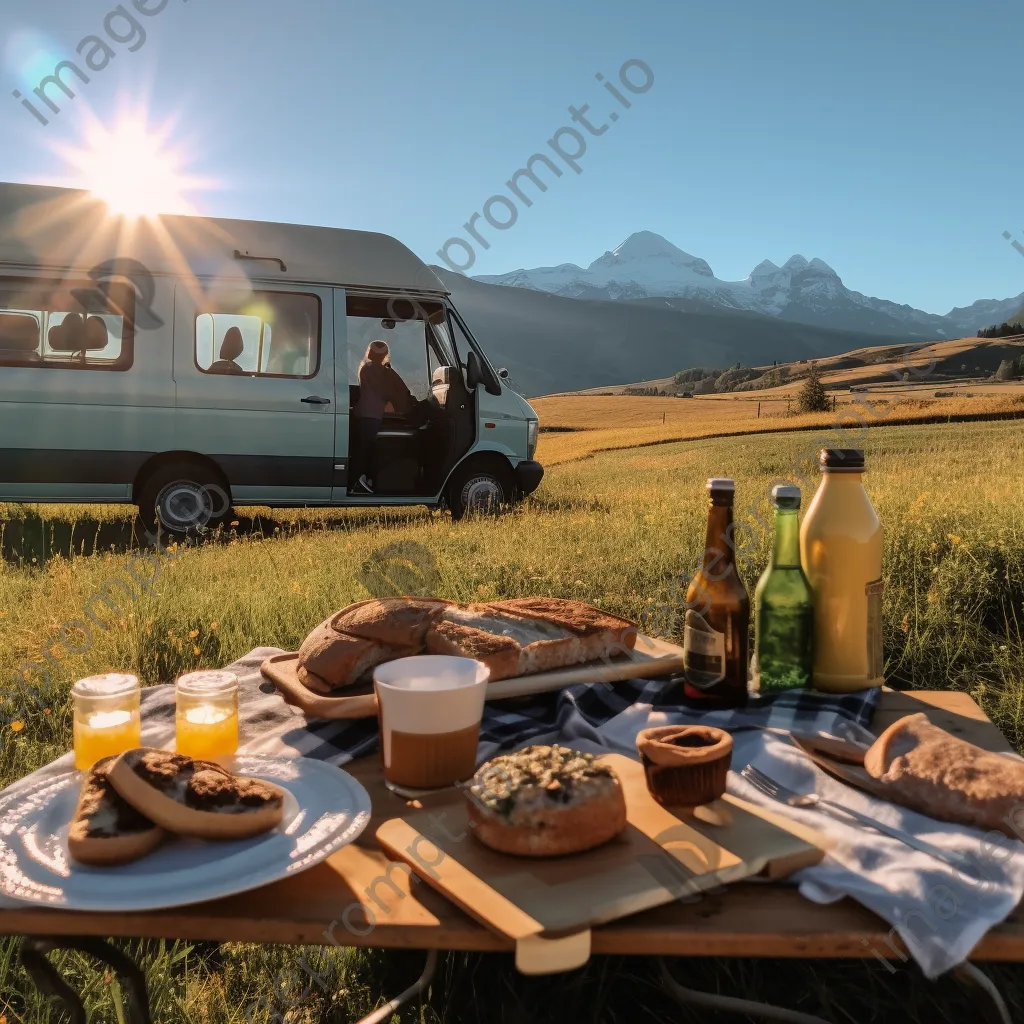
(841, 552)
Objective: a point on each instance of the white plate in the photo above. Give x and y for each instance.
(325, 809)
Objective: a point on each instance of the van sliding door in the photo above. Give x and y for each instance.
(254, 369)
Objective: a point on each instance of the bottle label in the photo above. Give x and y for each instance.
(876, 662)
(703, 652)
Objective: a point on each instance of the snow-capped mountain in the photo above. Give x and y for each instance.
(647, 267)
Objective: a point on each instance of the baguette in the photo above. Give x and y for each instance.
(195, 798)
(106, 829)
(926, 769)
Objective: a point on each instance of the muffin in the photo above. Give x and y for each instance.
(686, 765)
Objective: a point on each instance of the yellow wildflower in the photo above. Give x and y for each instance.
(17, 725)
(213, 625)
(193, 633)
(953, 538)
(195, 650)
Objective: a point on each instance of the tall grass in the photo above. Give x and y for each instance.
(622, 530)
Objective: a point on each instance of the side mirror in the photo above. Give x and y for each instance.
(474, 372)
(503, 373)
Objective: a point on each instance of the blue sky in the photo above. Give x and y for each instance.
(882, 137)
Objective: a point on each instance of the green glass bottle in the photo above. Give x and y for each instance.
(784, 606)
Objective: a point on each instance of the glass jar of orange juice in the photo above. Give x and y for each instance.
(206, 715)
(107, 718)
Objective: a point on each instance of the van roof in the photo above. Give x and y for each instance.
(69, 229)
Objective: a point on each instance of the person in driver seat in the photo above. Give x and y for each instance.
(379, 386)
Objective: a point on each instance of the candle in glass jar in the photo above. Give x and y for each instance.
(206, 717)
(107, 719)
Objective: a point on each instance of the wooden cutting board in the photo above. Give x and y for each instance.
(548, 906)
(649, 659)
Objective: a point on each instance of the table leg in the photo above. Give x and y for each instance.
(993, 1008)
(384, 1013)
(33, 955)
(730, 1004)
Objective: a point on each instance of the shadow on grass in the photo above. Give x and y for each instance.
(32, 539)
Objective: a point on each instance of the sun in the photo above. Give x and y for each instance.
(133, 169)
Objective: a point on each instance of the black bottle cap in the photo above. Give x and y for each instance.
(841, 458)
(722, 490)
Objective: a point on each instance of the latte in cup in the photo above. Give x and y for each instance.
(429, 709)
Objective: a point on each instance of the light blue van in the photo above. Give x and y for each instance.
(188, 364)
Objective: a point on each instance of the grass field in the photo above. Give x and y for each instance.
(577, 426)
(621, 530)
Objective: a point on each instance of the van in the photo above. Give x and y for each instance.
(189, 364)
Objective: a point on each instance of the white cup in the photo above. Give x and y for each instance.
(429, 709)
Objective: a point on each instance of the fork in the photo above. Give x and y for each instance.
(769, 787)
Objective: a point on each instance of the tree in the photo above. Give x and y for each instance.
(813, 397)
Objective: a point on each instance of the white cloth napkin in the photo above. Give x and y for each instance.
(940, 913)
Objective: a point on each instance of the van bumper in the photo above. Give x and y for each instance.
(528, 476)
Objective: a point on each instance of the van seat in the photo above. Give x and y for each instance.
(19, 339)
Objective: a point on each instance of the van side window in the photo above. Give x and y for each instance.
(269, 334)
(66, 325)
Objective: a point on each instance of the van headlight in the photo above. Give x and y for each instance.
(532, 431)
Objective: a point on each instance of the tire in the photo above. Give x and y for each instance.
(184, 499)
(480, 490)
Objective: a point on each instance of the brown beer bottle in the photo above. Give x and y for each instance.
(717, 614)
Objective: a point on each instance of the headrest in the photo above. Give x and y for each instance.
(233, 345)
(77, 335)
(69, 335)
(95, 334)
(19, 332)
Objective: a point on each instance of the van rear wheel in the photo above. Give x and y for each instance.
(480, 490)
(184, 499)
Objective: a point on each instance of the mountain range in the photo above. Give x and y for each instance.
(646, 268)
(550, 343)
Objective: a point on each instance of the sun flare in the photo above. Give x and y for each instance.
(133, 169)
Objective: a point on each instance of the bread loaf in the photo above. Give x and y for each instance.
(513, 638)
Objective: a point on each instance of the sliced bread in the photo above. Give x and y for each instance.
(195, 798)
(106, 829)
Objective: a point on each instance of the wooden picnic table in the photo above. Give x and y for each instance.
(747, 920)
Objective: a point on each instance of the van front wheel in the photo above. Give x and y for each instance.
(479, 490)
(184, 500)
